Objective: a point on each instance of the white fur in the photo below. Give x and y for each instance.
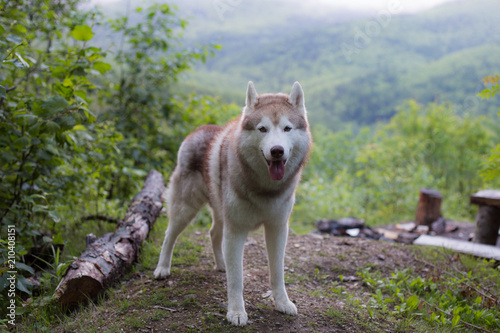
(236, 209)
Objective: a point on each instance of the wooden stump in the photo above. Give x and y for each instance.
(108, 257)
(488, 216)
(429, 207)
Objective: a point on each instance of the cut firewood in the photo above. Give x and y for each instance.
(429, 207)
(488, 216)
(107, 258)
(487, 225)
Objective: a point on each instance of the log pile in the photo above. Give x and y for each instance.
(108, 257)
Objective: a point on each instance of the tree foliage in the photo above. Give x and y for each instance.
(491, 166)
(46, 76)
(377, 176)
(81, 126)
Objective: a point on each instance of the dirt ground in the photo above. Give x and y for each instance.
(193, 298)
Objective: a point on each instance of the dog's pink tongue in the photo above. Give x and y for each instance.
(277, 170)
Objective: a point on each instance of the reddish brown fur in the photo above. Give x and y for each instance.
(275, 105)
(197, 161)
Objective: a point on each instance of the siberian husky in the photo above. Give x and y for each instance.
(247, 172)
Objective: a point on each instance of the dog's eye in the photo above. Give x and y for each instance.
(287, 129)
(262, 129)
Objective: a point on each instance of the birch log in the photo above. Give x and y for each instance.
(108, 257)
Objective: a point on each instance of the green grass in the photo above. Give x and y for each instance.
(383, 301)
(444, 295)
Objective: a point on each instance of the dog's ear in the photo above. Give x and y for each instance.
(296, 98)
(251, 99)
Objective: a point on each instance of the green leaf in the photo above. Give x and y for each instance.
(61, 268)
(52, 149)
(35, 129)
(64, 89)
(23, 284)
(20, 29)
(90, 116)
(21, 60)
(455, 320)
(79, 128)
(54, 216)
(102, 67)
(82, 33)
(39, 208)
(134, 172)
(67, 121)
(67, 82)
(80, 100)
(7, 157)
(58, 239)
(24, 267)
(82, 94)
(14, 39)
(21, 142)
(413, 302)
(52, 127)
(30, 198)
(54, 104)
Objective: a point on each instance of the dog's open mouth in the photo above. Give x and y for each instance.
(276, 169)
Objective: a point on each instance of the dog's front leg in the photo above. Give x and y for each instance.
(234, 241)
(276, 236)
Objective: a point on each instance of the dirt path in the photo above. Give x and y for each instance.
(320, 275)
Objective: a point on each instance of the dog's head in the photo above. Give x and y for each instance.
(276, 125)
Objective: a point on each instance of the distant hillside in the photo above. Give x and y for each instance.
(436, 55)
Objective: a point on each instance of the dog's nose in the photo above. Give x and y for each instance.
(277, 151)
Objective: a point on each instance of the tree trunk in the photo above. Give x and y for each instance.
(429, 207)
(107, 258)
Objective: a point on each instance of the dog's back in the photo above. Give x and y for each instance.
(186, 182)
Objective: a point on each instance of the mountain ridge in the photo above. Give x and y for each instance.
(408, 58)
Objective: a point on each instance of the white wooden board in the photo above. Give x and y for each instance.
(479, 250)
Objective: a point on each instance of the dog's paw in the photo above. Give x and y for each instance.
(220, 268)
(286, 307)
(237, 318)
(161, 272)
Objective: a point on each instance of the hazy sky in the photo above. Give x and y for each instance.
(370, 5)
(356, 5)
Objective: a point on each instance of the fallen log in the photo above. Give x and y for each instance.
(108, 257)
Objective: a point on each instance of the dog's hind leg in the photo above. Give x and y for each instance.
(185, 197)
(216, 232)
